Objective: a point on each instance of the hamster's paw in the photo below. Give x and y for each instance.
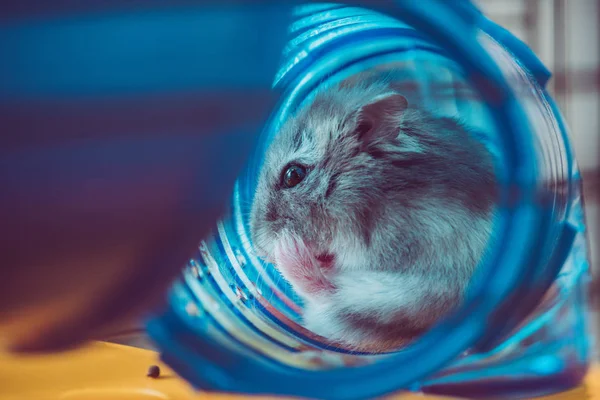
(323, 319)
(341, 330)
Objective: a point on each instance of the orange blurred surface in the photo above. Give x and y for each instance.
(110, 371)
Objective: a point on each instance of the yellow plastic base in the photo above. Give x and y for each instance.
(102, 371)
(97, 371)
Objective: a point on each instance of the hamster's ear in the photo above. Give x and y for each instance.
(381, 116)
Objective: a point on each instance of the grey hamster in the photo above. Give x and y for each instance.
(375, 211)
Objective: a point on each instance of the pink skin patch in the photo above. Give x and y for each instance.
(305, 273)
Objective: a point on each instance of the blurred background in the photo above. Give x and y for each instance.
(565, 34)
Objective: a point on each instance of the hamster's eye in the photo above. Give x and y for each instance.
(293, 175)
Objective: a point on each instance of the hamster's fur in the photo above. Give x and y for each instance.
(394, 212)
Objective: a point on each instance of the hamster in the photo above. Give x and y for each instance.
(375, 211)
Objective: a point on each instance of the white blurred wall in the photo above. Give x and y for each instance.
(565, 35)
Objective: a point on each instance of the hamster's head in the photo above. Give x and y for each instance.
(317, 190)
